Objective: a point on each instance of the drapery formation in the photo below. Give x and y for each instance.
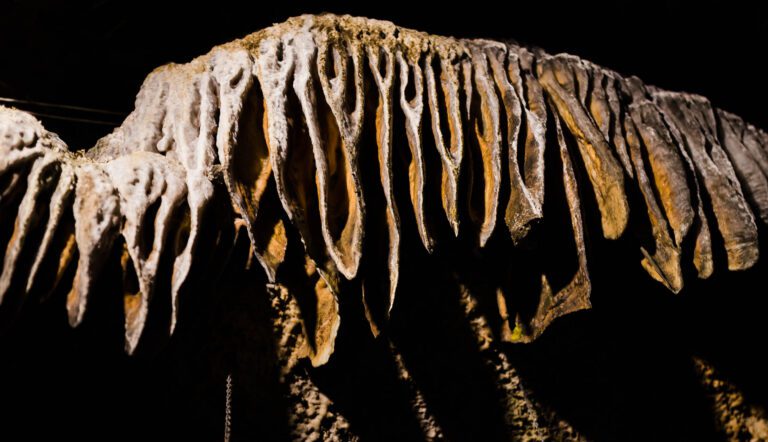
(349, 131)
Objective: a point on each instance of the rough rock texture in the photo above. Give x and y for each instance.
(336, 141)
(737, 419)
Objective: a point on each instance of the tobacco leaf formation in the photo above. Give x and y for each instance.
(335, 136)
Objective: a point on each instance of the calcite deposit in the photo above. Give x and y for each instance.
(335, 135)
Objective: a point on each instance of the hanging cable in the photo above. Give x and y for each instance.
(73, 119)
(60, 106)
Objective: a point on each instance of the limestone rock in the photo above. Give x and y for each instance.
(334, 138)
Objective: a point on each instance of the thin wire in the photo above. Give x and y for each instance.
(77, 120)
(61, 106)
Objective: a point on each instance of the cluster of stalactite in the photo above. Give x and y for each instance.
(343, 132)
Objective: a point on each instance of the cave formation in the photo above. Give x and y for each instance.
(333, 170)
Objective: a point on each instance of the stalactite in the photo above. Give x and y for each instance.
(286, 124)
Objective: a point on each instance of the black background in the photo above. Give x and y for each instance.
(617, 373)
